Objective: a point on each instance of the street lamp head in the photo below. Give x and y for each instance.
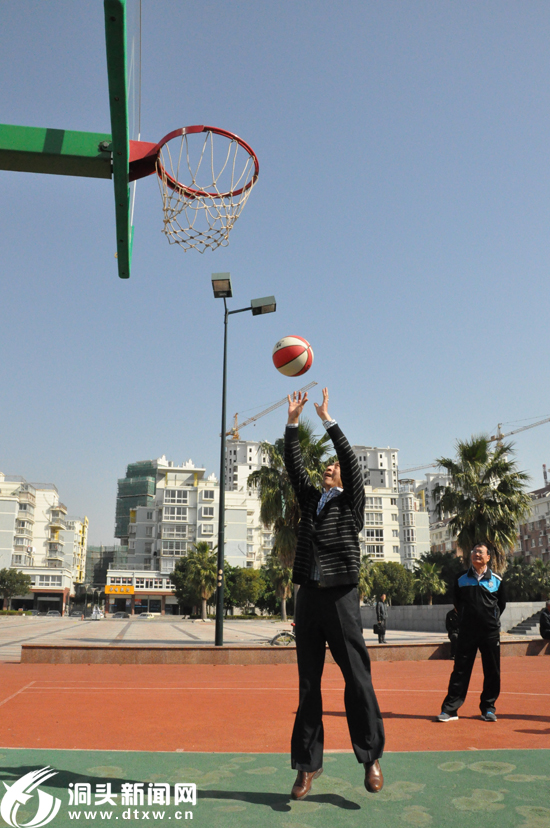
(266, 304)
(221, 285)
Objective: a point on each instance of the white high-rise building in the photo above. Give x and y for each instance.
(425, 489)
(37, 538)
(414, 526)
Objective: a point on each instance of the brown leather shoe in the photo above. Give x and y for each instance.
(374, 781)
(302, 786)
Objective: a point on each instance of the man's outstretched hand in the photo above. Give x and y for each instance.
(322, 410)
(296, 406)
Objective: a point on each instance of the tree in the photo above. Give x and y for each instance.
(13, 582)
(281, 578)
(247, 586)
(486, 497)
(279, 507)
(366, 574)
(527, 582)
(450, 566)
(393, 580)
(428, 580)
(194, 577)
(540, 580)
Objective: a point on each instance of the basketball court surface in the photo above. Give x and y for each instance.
(227, 730)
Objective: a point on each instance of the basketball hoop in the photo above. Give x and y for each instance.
(201, 212)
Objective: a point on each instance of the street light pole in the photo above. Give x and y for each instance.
(221, 283)
(221, 515)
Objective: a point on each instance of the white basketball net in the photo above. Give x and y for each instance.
(204, 218)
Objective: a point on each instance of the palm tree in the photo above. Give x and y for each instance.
(366, 578)
(279, 508)
(201, 572)
(428, 580)
(486, 497)
(281, 579)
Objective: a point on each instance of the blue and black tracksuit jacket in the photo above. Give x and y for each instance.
(479, 603)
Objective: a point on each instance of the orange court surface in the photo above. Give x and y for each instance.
(250, 709)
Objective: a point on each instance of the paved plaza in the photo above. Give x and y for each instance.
(161, 631)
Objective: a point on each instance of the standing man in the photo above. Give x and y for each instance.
(544, 624)
(327, 607)
(382, 618)
(480, 601)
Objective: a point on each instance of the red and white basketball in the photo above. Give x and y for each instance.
(292, 356)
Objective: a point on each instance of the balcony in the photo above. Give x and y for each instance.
(57, 521)
(20, 543)
(24, 531)
(26, 514)
(21, 560)
(27, 497)
(55, 550)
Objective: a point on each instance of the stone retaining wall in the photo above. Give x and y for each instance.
(432, 619)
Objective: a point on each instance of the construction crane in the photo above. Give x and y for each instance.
(234, 432)
(495, 438)
(499, 436)
(417, 468)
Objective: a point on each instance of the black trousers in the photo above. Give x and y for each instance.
(332, 616)
(466, 650)
(381, 632)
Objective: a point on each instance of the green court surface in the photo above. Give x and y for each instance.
(458, 789)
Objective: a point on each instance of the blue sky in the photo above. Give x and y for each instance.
(401, 219)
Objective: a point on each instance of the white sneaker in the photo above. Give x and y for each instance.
(447, 717)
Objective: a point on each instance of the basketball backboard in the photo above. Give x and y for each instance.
(123, 42)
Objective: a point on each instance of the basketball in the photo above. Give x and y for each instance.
(292, 356)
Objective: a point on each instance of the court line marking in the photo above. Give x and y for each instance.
(241, 689)
(21, 690)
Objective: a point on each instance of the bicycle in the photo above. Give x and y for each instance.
(284, 638)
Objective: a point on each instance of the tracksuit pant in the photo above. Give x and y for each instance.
(331, 615)
(466, 649)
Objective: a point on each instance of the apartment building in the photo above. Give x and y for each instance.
(162, 510)
(414, 525)
(37, 538)
(533, 533)
(426, 490)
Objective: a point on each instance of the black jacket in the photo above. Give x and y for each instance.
(544, 625)
(381, 612)
(479, 603)
(335, 531)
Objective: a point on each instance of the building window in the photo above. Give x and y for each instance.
(375, 534)
(175, 513)
(207, 529)
(148, 548)
(176, 530)
(396, 550)
(395, 533)
(148, 531)
(149, 516)
(208, 494)
(176, 548)
(176, 496)
(373, 503)
(409, 536)
(374, 519)
(375, 550)
(207, 511)
(394, 501)
(394, 517)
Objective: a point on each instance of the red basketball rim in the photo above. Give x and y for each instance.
(189, 191)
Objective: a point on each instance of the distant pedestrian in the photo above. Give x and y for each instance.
(480, 601)
(382, 618)
(451, 625)
(544, 625)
